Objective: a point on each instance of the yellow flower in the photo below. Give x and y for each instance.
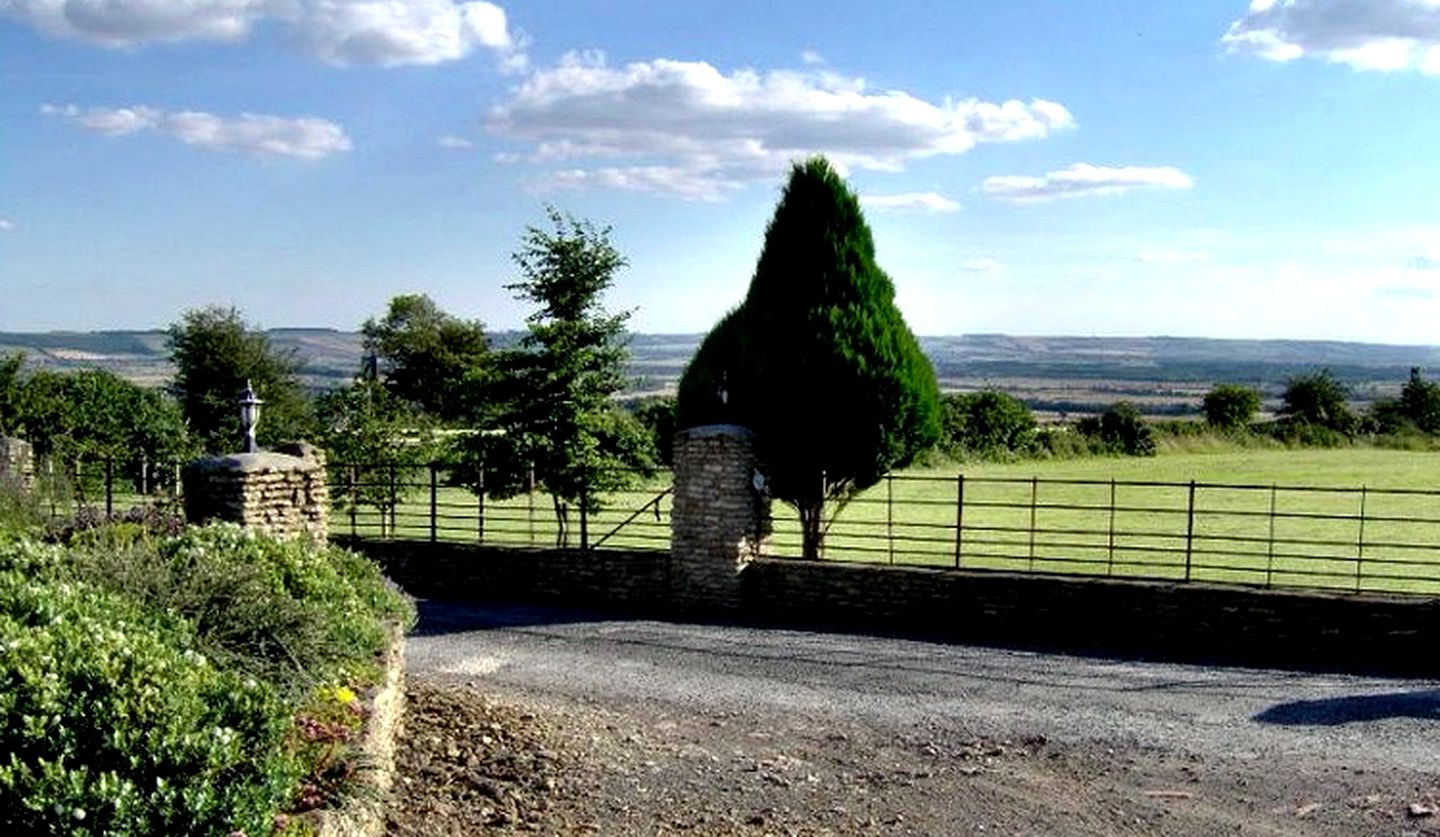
(344, 696)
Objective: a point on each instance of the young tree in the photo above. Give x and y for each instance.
(987, 423)
(554, 392)
(215, 352)
(427, 357)
(1317, 399)
(817, 360)
(1420, 402)
(1230, 406)
(378, 440)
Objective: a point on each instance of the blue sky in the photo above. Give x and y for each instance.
(1107, 168)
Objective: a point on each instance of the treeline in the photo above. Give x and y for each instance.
(1315, 411)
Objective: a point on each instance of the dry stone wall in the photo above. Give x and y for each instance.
(17, 463)
(281, 493)
(718, 518)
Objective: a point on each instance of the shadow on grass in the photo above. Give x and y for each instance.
(1329, 712)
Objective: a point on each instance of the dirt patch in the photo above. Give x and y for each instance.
(512, 762)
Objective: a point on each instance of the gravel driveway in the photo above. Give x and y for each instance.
(1068, 744)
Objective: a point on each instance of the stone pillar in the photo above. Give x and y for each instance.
(17, 463)
(281, 493)
(719, 519)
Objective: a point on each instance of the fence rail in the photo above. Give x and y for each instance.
(1359, 539)
(438, 502)
(1341, 538)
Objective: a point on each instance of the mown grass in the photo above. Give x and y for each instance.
(1315, 536)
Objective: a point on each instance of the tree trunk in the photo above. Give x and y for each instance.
(812, 527)
(562, 523)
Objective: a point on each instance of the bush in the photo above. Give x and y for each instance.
(286, 611)
(1230, 406)
(112, 722)
(987, 424)
(1119, 429)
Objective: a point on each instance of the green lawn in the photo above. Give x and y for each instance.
(1056, 516)
(1315, 536)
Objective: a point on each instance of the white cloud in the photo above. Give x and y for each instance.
(6, 225)
(383, 33)
(924, 201)
(1381, 35)
(651, 125)
(1172, 256)
(250, 133)
(453, 142)
(1083, 179)
(811, 58)
(1424, 263)
(985, 265)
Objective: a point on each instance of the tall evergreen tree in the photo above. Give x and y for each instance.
(817, 360)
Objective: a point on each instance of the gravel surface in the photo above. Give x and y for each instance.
(564, 722)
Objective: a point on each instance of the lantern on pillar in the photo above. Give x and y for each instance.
(249, 416)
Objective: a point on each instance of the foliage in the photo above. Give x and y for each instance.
(364, 424)
(215, 352)
(1230, 406)
(1420, 402)
(111, 722)
(1317, 399)
(1120, 429)
(12, 408)
(95, 414)
(657, 415)
(987, 425)
(817, 360)
(554, 393)
(427, 358)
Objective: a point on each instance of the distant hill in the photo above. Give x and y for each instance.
(1058, 374)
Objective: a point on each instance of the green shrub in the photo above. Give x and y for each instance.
(112, 722)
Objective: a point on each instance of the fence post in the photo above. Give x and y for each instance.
(584, 514)
(820, 524)
(352, 475)
(1110, 541)
(1270, 553)
(434, 505)
(480, 508)
(890, 514)
(144, 477)
(109, 487)
(1189, 529)
(959, 514)
(1034, 494)
(1360, 542)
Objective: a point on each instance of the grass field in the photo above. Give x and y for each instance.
(1351, 519)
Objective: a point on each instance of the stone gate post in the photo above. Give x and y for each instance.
(281, 493)
(719, 518)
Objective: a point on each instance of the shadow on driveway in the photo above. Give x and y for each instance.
(1424, 705)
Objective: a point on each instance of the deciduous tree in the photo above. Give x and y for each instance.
(215, 352)
(427, 357)
(1230, 406)
(554, 392)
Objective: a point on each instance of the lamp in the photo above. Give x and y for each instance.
(249, 416)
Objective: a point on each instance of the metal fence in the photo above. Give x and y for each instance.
(438, 502)
(64, 488)
(1358, 539)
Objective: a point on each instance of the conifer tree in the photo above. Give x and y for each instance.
(817, 360)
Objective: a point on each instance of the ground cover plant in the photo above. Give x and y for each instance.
(193, 684)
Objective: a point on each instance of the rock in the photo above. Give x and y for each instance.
(1420, 809)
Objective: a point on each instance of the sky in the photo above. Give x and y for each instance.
(1081, 168)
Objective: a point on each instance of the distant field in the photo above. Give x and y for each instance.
(1283, 518)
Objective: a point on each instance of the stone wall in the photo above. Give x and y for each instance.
(17, 463)
(282, 493)
(1214, 623)
(718, 517)
(632, 580)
